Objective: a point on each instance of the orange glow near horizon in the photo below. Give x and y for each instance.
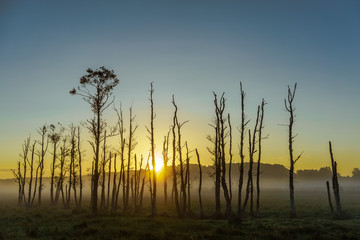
(159, 164)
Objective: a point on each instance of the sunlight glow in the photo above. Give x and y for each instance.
(159, 164)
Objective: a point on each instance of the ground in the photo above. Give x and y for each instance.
(314, 222)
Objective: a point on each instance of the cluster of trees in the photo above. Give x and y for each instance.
(96, 88)
(65, 170)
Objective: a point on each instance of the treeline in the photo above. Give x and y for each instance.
(132, 174)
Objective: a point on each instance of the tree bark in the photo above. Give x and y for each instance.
(200, 183)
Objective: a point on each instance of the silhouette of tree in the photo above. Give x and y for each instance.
(335, 185)
(20, 176)
(259, 158)
(96, 88)
(242, 157)
(80, 166)
(290, 109)
(200, 184)
(175, 189)
(55, 137)
(165, 154)
(250, 182)
(152, 141)
(121, 130)
(131, 144)
(44, 145)
(31, 165)
(219, 155)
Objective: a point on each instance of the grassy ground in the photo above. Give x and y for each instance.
(314, 222)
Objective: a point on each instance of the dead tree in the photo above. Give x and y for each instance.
(261, 126)
(137, 182)
(18, 179)
(144, 182)
(108, 187)
(174, 150)
(101, 81)
(166, 159)
(121, 130)
(230, 158)
(329, 197)
(131, 146)
(44, 145)
(151, 138)
(219, 155)
(80, 170)
(200, 183)
(242, 157)
(31, 165)
(335, 184)
(290, 109)
(73, 177)
(64, 152)
(187, 181)
(114, 189)
(54, 137)
(250, 182)
(32, 198)
(150, 184)
(182, 199)
(215, 153)
(103, 165)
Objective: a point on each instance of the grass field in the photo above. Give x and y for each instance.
(314, 222)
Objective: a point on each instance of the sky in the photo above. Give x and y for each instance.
(189, 49)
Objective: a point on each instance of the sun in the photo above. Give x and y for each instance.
(159, 163)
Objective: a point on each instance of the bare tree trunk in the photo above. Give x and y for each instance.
(175, 189)
(143, 183)
(230, 162)
(165, 158)
(132, 188)
(259, 159)
(217, 160)
(151, 131)
(135, 183)
(329, 197)
(220, 152)
(72, 172)
(80, 170)
(31, 175)
(189, 212)
(289, 107)
(44, 145)
(55, 137)
(200, 183)
(53, 174)
(102, 200)
(182, 178)
(35, 185)
(335, 184)
(108, 188)
(131, 145)
(18, 178)
(242, 157)
(95, 178)
(113, 195)
(250, 185)
(122, 147)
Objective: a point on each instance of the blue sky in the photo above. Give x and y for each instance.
(187, 48)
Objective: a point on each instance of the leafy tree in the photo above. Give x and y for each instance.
(96, 87)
